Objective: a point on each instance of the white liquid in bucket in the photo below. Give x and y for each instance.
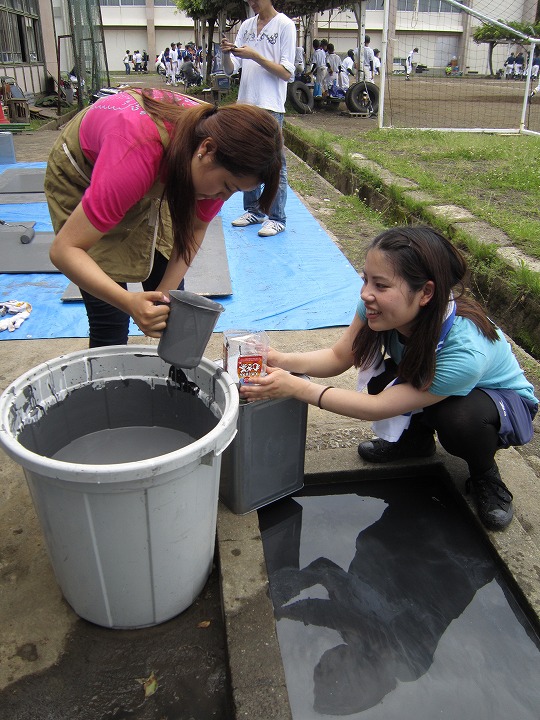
(120, 445)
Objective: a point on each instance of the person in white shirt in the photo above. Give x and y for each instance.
(318, 67)
(299, 61)
(368, 59)
(409, 63)
(333, 65)
(173, 65)
(265, 51)
(348, 65)
(376, 62)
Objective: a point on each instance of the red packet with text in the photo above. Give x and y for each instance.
(245, 353)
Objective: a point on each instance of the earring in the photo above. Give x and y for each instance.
(199, 155)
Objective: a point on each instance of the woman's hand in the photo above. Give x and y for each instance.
(276, 384)
(149, 311)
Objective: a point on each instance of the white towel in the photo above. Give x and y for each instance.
(18, 312)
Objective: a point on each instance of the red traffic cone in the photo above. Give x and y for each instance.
(3, 118)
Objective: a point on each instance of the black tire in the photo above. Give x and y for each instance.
(300, 96)
(362, 97)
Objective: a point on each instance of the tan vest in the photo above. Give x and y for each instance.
(126, 252)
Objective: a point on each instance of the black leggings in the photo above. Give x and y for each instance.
(109, 325)
(467, 427)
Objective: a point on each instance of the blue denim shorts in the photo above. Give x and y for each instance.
(516, 414)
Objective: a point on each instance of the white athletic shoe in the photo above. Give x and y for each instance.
(248, 218)
(271, 227)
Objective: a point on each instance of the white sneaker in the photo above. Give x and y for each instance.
(248, 218)
(271, 227)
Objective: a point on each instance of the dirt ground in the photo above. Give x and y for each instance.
(434, 102)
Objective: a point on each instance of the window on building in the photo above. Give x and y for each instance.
(19, 41)
(11, 40)
(164, 3)
(28, 6)
(446, 7)
(374, 4)
(123, 2)
(32, 43)
(15, 4)
(433, 6)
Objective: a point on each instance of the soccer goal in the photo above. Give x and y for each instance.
(437, 76)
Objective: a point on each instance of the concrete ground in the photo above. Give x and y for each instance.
(220, 658)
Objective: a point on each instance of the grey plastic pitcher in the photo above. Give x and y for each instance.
(192, 320)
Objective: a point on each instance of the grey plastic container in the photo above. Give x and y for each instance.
(7, 148)
(192, 320)
(131, 543)
(265, 461)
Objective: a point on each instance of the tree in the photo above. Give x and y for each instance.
(494, 35)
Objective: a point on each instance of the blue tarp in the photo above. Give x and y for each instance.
(297, 280)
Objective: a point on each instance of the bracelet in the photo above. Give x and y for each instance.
(328, 387)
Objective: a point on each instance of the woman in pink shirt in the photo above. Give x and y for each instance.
(132, 184)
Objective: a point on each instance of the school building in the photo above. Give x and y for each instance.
(34, 32)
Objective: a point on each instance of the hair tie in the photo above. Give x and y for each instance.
(329, 387)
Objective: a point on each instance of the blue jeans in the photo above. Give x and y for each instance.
(277, 210)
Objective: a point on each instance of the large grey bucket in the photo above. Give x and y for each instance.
(131, 543)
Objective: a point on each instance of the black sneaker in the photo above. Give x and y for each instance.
(493, 499)
(381, 451)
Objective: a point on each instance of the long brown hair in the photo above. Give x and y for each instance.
(419, 254)
(248, 142)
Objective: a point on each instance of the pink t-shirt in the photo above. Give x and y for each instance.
(123, 143)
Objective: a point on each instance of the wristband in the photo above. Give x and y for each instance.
(329, 387)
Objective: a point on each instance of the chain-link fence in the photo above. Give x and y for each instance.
(89, 51)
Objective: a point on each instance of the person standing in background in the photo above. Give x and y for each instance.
(318, 67)
(376, 62)
(368, 59)
(334, 75)
(126, 61)
(299, 61)
(409, 63)
(348, 65)
(173, 64)
(166, 60)
(264, 50)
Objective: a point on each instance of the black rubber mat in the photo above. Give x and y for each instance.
(20, 257)
(390, 604)
(22, 180)
(21, 198)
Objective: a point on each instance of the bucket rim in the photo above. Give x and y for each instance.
(214, 441)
